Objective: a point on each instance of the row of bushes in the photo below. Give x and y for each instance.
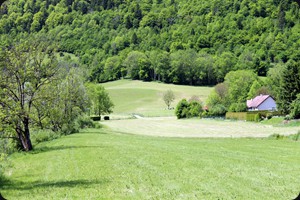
(255, 116)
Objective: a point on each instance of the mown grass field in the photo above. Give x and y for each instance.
(201, 128)
(98, 164)
(145, 98)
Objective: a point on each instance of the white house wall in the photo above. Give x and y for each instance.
(268, 104)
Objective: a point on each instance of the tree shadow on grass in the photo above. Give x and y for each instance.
(45, 149)
(19, 185)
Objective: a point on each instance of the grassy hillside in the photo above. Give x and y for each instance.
(145, 98)
(96, 164)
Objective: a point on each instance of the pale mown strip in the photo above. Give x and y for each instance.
(203, 128)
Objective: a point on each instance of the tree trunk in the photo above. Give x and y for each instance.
(24, 136)
(27, 135)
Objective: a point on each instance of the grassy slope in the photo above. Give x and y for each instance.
(100, 165)
(145, 98)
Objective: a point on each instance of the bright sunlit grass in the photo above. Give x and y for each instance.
(145, 98)
(98, 164)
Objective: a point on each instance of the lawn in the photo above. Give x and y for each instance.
(145, 98)
(100, 164)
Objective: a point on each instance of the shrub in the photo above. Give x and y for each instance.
(257, 117)
(44, 135)
(195, 109)
(70, 128)
(181, 110)
(217, 110)
(185, 109)
(84, 121)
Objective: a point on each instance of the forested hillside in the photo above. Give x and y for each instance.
(193, 42)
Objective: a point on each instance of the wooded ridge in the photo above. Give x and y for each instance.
(194, 42)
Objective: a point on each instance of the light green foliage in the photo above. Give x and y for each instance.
(232, 94)
(239, 83)
(253, 92)
(69, 101)
(96, 164)
(238, 107)
(101, 102)
(26, 70)
(275, 79)
(168, 97)
(218, 110)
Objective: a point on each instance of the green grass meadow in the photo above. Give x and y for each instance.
(150, 158)
(146, 98)
(98, 164)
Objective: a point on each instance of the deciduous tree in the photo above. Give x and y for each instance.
(168, 97)
(26, 68)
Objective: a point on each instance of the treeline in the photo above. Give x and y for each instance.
(174, 41)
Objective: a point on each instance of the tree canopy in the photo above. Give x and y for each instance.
(174, 41)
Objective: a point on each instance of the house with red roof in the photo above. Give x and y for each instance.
(262, 102)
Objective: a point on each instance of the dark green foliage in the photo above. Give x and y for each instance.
(201, 41)
(289, 87)
(96, 118)
(295, 108)
(182, 109)
(188, 109)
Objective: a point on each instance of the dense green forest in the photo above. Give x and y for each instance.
(194, 42)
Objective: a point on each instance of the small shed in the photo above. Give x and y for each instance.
(262, 102)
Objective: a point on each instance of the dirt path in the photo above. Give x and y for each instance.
(171, 127)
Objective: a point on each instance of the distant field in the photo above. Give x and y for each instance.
(203, 128)
(99, 164)
(145, 98)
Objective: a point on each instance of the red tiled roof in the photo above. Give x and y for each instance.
(254, 103)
